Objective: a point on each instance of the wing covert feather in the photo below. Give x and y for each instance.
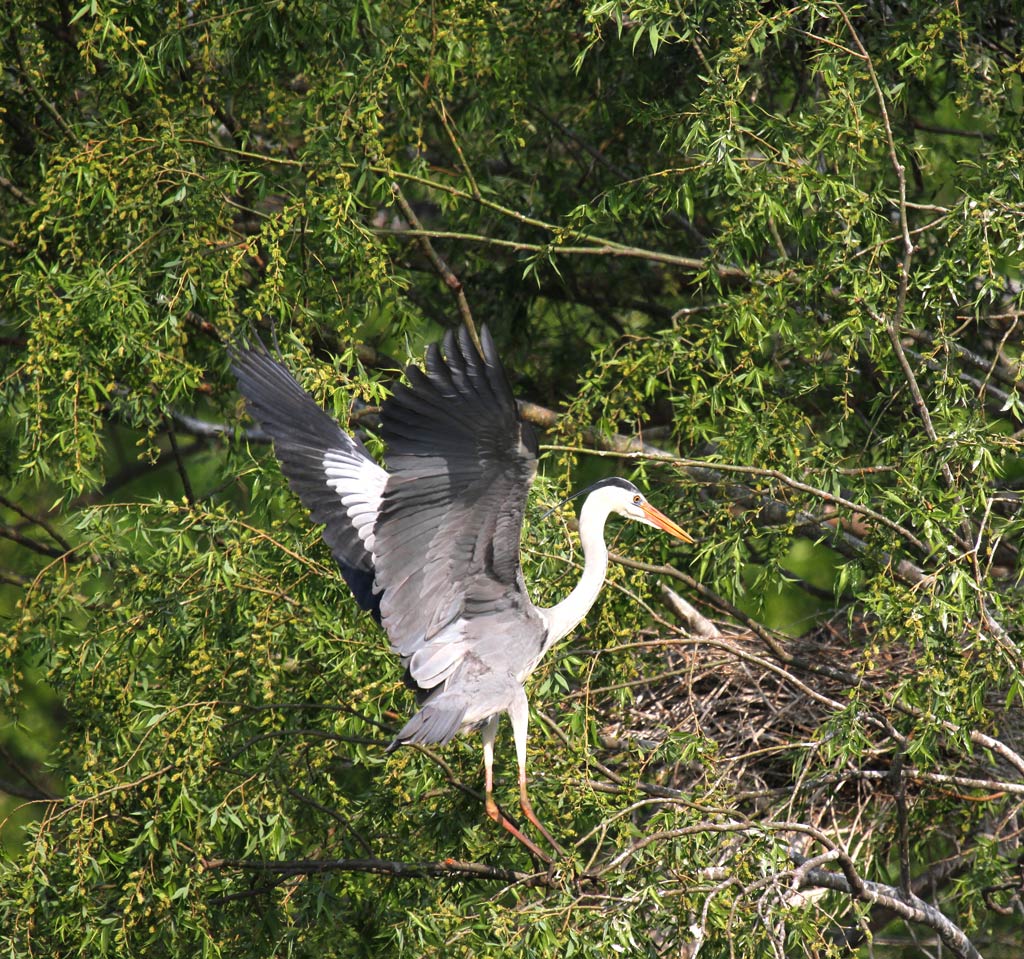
(446, 542)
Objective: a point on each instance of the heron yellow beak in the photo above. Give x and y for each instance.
(660, 520)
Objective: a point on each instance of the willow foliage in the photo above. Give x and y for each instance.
(764, 259)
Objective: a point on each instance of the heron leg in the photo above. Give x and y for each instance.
(520, 716)
(490, 732)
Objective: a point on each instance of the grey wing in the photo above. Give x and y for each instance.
(333, 475)
(446, 549)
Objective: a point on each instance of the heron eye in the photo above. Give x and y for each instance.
(637, 500)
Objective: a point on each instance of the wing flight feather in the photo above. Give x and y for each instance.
(336, 479)
(433, 548)
(446, 543)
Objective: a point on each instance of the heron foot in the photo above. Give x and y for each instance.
(528, 812)
(499, 817)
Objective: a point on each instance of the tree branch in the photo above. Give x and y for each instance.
(179, 462)
(9, 532)
(772, 512)
(444, 271)
(600, 248)
(892, 326)
(445, 869)
(906, 906)
(13, 579)
(14, 191)
(206, 430)
(37, 521)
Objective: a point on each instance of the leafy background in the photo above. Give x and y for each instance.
(764, 259)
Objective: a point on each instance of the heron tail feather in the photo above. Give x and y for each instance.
(438, 721)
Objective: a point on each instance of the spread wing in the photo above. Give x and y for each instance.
(446, 541)
(333, 475)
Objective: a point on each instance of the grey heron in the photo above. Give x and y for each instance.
(431, 546)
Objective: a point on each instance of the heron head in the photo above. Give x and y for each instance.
(622, 497)
(629, 502)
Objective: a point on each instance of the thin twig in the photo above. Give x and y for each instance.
(770, 511)
(444, 271)
(893, 324)
(442, 113)
(947, 131)
(334, 814)
(37, 521)
(26, 77)
(687, 464)
(186, 483)
(601, 245)
(603, 248)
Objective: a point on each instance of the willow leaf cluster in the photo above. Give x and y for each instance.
(763, 259)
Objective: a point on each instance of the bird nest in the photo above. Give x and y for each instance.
(769, 711)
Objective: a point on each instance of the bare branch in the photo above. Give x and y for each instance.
(186, 483)
(14, 191)
(602, 248)
(905, 905)
(892, 326)
(445, 869)
(697, 624)
(25, 76)
(206, 430)
(442, 112)
(22, 792)
(9, 532)
(444, 271)
(13, 579)
(600, 245)
(37, 521)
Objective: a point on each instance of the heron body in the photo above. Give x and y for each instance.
(430, 546)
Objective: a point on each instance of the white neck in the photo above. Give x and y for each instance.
(563, 617)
